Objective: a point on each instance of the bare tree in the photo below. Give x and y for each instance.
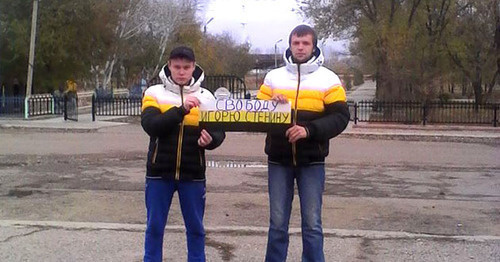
(149, 21)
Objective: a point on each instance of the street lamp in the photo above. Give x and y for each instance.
(205, 26)
(275, 51)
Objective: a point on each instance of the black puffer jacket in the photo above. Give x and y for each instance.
(173, 152)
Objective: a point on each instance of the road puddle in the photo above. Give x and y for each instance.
(235, 164)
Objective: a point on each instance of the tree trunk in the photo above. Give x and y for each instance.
(478, 91)
(494, 80)
(384, 74)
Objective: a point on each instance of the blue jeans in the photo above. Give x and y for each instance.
(310, 183)
(159, 194)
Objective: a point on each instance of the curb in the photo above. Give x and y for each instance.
(462, 138)
(50, 129)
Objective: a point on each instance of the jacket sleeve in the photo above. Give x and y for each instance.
(217, 139)
(157, 124)
(331, 124)
(336, 115)
(265, 91)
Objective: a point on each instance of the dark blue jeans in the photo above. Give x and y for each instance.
(159, 195)
(310, 184)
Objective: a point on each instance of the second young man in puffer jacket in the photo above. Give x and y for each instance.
(319, 112)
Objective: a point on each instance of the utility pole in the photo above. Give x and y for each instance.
(275, 51)
(31, 59)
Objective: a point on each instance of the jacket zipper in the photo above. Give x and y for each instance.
(179, 143)
(294, 146)
(155, 152)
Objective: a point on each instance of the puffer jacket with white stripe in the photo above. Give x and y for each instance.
(174, 153)
(318, 103)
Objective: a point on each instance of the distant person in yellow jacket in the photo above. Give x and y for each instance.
(70, 86)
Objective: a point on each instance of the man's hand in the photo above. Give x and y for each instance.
(191, 102)
(295, 133)
(205, 138)
(280, 98)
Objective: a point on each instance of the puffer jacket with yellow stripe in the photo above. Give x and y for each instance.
(174, 153)
(318, 103)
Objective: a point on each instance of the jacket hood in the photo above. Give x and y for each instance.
(310, 66)
(194, 84)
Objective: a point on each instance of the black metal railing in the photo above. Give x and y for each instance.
(410, 112)
(59, 105)
(38, 105)
(116, 106)
(406, 112)
(461, 113)
(12, 106)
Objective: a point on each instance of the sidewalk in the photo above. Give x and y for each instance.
(450, 133)
(58, 241)
(84, 123)
(443, 133)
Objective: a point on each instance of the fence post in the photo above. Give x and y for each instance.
(245, 91)
(93, 107)
(65, 107)
(26, 107)
(495, 115)
(53, 105)
(355, 113)
(424, 113)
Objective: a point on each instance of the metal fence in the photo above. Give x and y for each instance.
(12, 106)
(234, 84)
(410, 112)
(116, 106)
(35, 105)
(406, 112)
(113, 105)
(39, 105)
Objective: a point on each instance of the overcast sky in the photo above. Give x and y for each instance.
(261, 22)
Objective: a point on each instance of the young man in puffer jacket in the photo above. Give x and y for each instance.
(176, 156)
(320, 112)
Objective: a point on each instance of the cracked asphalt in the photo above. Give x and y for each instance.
(79, 196)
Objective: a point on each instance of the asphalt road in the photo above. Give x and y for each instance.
(80, 196)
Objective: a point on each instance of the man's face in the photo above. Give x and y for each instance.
(182, 70)
(301, 47)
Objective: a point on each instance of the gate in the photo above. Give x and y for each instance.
(71, 106)
(234, 84)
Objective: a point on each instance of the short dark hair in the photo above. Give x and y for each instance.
(302, 30)
(182, 52)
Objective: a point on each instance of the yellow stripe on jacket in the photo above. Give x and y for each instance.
(317, 89)
(309, 100)
(190, 119)
(334, 94)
